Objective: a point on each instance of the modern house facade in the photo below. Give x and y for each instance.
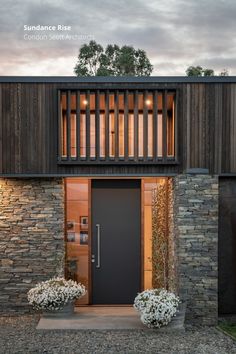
(123, 184)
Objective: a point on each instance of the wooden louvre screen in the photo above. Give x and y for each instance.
(118, 126)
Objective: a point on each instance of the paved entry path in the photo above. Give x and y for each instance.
(19, 335)
(102, 318)
(95, 317)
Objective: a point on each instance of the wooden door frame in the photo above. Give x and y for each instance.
(90, 178)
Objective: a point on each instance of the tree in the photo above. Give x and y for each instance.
(194, 71)
(208, 72)
(94, 60)
(224, 72)
(199, 71)
(89, 59)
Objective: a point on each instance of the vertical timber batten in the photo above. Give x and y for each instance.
(60, 132)
(116, 125)
(126, 126)
(131, 110)
(78, 124)
(97, 124)
(145, 126)
(155, 125)
(107, 125)
(68, 124)
(164, 128)
(87, 125)
(136, 132)
(176, 100)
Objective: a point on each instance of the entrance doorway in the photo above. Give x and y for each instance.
(116, 241)
(117, 236)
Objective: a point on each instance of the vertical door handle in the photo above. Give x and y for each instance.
(98, 265)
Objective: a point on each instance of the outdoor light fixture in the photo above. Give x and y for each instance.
(148, 102)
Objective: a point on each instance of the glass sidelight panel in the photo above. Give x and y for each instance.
(155, 237)
(77, 232)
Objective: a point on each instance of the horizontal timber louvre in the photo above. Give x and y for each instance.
(117, 126)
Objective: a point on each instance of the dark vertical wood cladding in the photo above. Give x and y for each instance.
(136, 132)
(205, 128)
(77, 124)
(116, 124)
(97, 126)
(68, 123)
(126, 125)
(107, 124)
(155, 126)
(164, 130)
(210, 116)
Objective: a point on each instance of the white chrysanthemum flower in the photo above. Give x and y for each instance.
(54, 293)
(156, 307)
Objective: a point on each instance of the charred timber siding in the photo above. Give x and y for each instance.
(206, 119)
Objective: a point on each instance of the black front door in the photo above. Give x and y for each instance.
(115, 241)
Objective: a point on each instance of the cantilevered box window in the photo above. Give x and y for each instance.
(125, 126)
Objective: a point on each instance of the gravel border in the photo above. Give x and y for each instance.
(18, 335)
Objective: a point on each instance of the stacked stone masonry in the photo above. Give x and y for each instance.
(196, 229)
(32, 240)
(31, 237)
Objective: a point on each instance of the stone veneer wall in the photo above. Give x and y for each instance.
(196, 229)
(31, 237)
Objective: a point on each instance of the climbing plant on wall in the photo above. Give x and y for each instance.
(159, 237)
(164, 260)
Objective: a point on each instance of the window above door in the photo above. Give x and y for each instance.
(117, 127)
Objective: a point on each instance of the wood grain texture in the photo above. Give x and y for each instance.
(205, 131)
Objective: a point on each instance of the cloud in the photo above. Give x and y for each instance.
(175, 34)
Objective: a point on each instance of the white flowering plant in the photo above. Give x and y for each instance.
(156, 307)
(55, 293)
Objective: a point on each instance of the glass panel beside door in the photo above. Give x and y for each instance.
(77, 232)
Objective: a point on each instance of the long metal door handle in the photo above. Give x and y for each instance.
(98, 246)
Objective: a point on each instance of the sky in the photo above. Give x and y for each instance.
(174, 33)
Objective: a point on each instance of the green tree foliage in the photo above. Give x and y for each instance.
(199, 71)
(208, 72)
(94, 60)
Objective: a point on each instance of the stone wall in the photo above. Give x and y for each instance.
(32, 240)
(196, 229)
(31, 237)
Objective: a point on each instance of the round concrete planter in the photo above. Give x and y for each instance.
(67, 310)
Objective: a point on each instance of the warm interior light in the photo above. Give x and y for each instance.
(148, 102)
(85, 102)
